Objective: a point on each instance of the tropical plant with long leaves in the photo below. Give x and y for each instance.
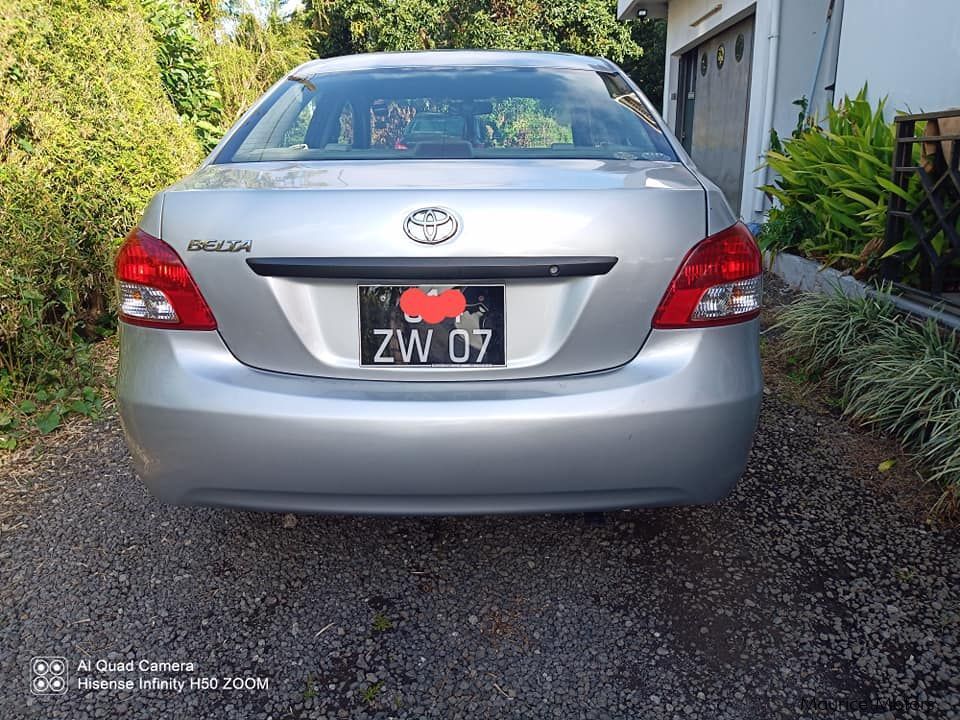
(835, 177)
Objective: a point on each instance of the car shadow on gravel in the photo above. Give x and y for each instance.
(803, 587)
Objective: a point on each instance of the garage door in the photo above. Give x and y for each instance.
(712, 109)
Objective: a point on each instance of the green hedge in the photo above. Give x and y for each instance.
(258, 54)
(589, 27)
(184, 69)
(87, 135)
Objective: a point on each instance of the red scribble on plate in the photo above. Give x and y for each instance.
(432, 308)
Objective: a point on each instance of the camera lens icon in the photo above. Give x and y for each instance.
(49, 675)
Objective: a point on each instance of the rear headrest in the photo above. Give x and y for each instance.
(449, 149)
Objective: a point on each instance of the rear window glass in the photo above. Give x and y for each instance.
(411, 113)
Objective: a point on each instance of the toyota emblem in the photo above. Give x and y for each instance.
(431, 225)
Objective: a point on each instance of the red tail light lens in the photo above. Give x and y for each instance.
(718, 283)
(156, 289)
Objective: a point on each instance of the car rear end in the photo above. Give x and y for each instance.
(320, 320)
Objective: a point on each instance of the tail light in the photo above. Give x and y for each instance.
(155, 287)
(719, 282)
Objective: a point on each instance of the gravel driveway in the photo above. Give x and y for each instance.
(803, 595)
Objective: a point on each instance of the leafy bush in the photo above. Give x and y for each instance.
(522, 122)
(788, 229)
(835, 182)
(186, 74)
(589, 27)
(254, 56)
(87, 135)
(894, 374)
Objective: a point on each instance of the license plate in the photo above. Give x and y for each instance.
(432, 326)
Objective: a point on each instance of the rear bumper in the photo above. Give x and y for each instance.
(673, 426)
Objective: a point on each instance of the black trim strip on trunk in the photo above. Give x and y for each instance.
(418, 268)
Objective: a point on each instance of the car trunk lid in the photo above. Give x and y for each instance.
(583, 251)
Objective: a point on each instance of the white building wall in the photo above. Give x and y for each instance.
(908, 50)
(802, 27)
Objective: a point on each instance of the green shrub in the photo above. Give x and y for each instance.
(894, 374)
(186, 74)
(87, 135)
(787, 229)
(838, 176)
(590, 27)
(253, 57)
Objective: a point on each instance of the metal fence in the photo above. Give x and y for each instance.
(934, 218)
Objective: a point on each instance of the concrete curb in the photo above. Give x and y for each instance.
(810, 276)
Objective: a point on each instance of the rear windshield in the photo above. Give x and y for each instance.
(429, 113)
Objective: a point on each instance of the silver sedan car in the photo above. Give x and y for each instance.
(534, 302)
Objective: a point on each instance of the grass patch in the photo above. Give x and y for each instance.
(892, 373)
(381, 623)
(371, 693)
(310, 691)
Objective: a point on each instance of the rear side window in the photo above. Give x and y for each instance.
(429, 113)
(296, 134)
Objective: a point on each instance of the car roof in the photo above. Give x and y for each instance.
(457, 59)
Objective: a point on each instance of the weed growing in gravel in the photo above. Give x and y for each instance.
(894, 374)
(310, 691)
(905, 575)
(381, 623)
(370, 694)
(45, 411)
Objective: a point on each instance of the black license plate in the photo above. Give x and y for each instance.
(432, 326)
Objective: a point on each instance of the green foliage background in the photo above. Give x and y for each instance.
(86, 137)
(589, 27)
(256, 56)
(647, 70)
(185, 71)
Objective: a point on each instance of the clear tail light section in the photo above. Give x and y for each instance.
(155, 288)
(719, 282)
